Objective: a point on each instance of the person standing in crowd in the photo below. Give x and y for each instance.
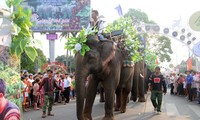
(31, 96)
(57, 81)
(25, 94)
(172, 83)
(185, 87)
(180, 85)
(62, 91)
(67, 83)
(49, 85)
(198, 86)
(193, 86)
(73, 89)
(189, 80)
(8, 110)
(36, 93)
(175, 84)
(156, 84)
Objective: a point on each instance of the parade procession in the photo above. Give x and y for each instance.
(99, 60)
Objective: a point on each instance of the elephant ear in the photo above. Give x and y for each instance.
(108, 50)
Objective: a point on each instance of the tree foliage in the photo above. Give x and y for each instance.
(68, 61)
(27, 64)
(22, 36)
(138, 15)
(161, 45)
(13, 83)
(163, 48)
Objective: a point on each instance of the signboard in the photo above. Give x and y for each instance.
(58, 15)
(52, 36)
(194, 21)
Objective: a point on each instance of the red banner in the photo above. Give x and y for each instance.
(189, 64)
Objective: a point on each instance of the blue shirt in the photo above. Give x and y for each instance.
(189, 79)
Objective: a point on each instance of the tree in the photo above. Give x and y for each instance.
(183, 67)
(138, 15)
(68, 61)
(162, 48)
(27, 64)
(159, 44)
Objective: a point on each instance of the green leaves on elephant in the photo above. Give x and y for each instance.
(131, 43)
(84, 49)
(78, 43)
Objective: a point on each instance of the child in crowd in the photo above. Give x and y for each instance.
(25, 95)
(35, 93)
(184, 87)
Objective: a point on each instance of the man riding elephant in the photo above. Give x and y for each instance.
(97, 23)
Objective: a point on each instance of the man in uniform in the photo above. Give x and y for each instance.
(157, 86)
(49, 85)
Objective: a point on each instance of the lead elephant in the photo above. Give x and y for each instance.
(140, 81)
(104, 63)
(138, 87)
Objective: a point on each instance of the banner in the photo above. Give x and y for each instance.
(189, 64)
(58, 15)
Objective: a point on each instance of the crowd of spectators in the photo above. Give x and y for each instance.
(187, 85)
(32, 99)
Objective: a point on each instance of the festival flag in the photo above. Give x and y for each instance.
(189, 64)
(119, 10)
(144, 42)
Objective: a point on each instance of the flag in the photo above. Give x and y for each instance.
(189, 64)
(119, 10)
(144, 42)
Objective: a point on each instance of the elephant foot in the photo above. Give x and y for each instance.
(108, 118)
(87, 117)
(142, 99)
(134, 98)
(123, 110)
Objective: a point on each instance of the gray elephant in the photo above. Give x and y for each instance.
(138, 88)
(104, 62)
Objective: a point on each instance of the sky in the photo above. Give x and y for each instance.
(163, 12)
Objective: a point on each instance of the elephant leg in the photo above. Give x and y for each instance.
(124, 100)
(102, 98)
(134, 91)
(125, 93)
(109, 100)
(92, 87)
(141, 84)
(118, 99)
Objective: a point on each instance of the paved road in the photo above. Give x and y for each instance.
(173, 108)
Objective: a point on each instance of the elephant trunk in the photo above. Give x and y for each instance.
(80, 76)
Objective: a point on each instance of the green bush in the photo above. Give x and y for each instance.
(13, 83)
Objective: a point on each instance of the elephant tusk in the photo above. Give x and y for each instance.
(141, 76)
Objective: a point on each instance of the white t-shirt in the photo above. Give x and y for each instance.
(67, 82)
(171, 79)
(31, 81)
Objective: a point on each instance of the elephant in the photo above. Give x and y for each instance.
(138, 82)
(104, 63)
